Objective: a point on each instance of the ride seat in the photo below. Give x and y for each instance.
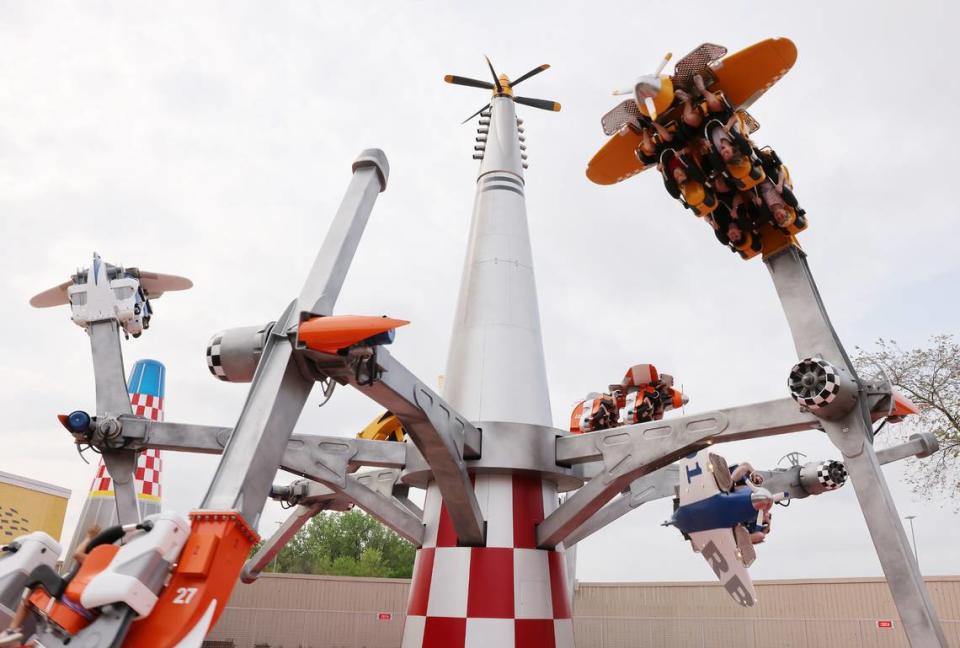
(746, 175)
(701, 200)
(70, 616)
(795, 223)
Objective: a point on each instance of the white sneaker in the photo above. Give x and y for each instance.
(11, 637)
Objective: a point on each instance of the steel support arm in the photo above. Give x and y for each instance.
(140, 433)
(303, 450)
(769, 418)
(113, 400)
(324, 459)
(437, 431)
(632, 451)
(662, 484)
(370, 491)
(656, 485)
(852, 433)
(373, 492)
(275, 543)
(919, 446)
(280, 389)
(628, 453)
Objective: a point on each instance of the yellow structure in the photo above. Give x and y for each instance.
(28, 505)
(385, 427)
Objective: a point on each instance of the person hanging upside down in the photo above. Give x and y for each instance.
(740, 473)
(759, 532)
(695, 110)
(652, 144)
(777, 194)
(687, 183)
(732, 156)
(735, 224)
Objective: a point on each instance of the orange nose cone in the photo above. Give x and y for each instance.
(902, 406)
(330, 334)
(677, 398)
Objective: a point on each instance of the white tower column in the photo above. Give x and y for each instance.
(507, 593)
(495, 370)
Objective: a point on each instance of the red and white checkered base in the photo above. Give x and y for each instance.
(508, 593)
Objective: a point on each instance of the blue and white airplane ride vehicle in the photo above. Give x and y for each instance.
(718, 517)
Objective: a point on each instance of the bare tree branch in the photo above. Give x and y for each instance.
(930, 377)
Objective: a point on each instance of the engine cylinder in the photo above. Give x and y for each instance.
(821, 476)
(233, 354)
(825, 390)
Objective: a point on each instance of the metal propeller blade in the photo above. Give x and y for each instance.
(467, 81)
(475, 114)
(542, 104)
(56, 296)
(496, 79)
(536, 70)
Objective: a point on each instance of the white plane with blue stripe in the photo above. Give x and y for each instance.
(715, 521)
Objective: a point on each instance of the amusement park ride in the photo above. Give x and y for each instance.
(492, 532)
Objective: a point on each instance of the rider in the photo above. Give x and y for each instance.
(692, 116)
(653, 144)
(732, 156)
(776, 192)
(686, 182)
(14, 635)
(740, 474)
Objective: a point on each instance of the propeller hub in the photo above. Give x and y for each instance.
(648, 87)
(506, 90)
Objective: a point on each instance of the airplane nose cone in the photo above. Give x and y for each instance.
(761, 499)
(647, 87)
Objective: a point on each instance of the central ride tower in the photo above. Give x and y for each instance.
(506, 592)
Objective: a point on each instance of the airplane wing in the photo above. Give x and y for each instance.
(155, 284)
(625, 113)
(696, 478)
(697, 62)
(55, 296)
(719, 549)
(742, 77)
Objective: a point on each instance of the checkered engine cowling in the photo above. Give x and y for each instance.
(233, 354)
(821, 476)
(832, 474)
(814, 383)
(215, 358)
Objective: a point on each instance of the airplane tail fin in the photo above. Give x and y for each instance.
(146, 385)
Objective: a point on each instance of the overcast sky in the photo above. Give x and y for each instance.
(214, 140)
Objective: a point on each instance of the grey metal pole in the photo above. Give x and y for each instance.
(914, 537)
(279, 390)
(852, 433)
(113, 400)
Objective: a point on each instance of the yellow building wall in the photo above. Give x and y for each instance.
(23, 510)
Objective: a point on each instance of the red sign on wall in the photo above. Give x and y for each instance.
(885, 623)
(384, 616)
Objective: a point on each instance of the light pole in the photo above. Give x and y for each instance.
(911, 518)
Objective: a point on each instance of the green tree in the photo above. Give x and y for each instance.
(346, 544)
(930, 377)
